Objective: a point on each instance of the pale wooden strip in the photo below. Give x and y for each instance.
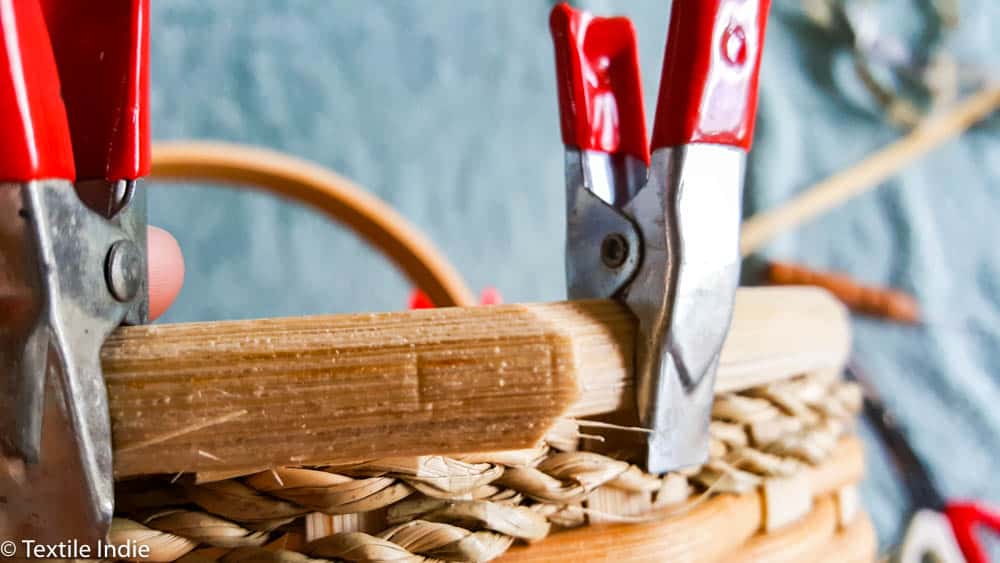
(856, 543)
(848, 505)
(785, 500)
(244, 395)
(338, 388)
(708, 532)
(800, 541)
(776, 334)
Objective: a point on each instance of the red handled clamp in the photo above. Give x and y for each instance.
(73, 90)
(939, 529)
(660, 232)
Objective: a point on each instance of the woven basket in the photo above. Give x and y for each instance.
(780, 484)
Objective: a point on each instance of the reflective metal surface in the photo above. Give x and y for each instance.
(595, 185)
(683, 292)
(57, 483)
(123, 202)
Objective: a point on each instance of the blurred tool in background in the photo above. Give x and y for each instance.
(922, 86)
(938, 528)
(908, 81)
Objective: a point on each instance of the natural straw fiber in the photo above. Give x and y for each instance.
(474, 507)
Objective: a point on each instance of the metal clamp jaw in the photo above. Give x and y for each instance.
(80, 276)
(73, 107)
(676, 271)
(663, 243)
(603, 245)
(682, 294)
(607, 156)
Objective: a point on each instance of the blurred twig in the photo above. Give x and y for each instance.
(844, 185)
(908, 81)
(880, 302)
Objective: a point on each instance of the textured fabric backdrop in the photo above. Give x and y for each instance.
(447, 110)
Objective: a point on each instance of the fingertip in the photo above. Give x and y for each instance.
(166, 270)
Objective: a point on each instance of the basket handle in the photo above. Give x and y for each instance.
(370, 218)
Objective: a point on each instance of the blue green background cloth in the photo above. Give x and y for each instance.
(447, 110)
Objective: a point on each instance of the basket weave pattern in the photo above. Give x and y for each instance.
(474, 507)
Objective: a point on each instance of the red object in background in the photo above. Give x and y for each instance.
(101, 49)
(964, 518)
(600, 93)
(708, 87)
(419, 299)
(74, 89)
(35, 141)
(490, 296)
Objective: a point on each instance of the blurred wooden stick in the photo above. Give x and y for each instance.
(842, 186)
(880, 302)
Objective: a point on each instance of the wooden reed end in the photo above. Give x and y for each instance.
(245, 395)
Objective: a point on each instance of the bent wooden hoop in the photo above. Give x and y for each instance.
(340, 199)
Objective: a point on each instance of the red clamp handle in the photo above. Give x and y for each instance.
(964, 517)
(708, 87)
(102, 52)
(600, 92)
(34, 142)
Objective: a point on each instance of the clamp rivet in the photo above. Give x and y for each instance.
(614, 250)
(123, 270)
